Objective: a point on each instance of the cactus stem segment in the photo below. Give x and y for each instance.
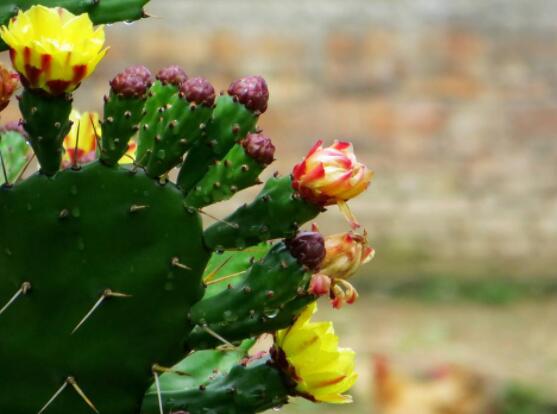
(108, 293)
(176, 263)
(79, 391)
(217, 336)
(25, 287)
(227, 277)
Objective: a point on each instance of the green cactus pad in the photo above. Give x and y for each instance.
(225, 178)
(176, 129)
(268, 284)
(229, 123)
(276, 212)
(159, 96)
(248, 388)
(47, 123)
(121, 121)
(104, 11)
(15, 152)
(71, 237)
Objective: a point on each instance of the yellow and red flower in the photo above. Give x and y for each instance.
(8, 84)
(309, 354)
(53, 49)
(80, 145)
(85, 132)
(330, 175)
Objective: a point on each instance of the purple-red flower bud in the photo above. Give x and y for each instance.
(252, 92)
(260, 148)
(308, 247)
(132, 82)
(173, 75)
(198, 91)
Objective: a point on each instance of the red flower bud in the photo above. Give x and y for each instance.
(252, 92)
(260, 148)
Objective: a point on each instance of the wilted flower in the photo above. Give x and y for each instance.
(330, 175)
(344, 254)
(8, 85)
(53, 49)
(309, 354)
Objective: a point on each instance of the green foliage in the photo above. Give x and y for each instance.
(518, 399)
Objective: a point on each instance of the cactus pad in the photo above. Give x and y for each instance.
(96, 233)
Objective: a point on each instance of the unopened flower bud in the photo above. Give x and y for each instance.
(308, 247)
(260, 148)
(132, 82)
(252, 92)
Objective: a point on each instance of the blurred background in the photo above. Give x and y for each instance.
(454, 105)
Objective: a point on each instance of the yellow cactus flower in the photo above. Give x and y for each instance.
(53, 49)
(87, 126)
(308, 353)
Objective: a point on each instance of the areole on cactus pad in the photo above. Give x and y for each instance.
(114, 298)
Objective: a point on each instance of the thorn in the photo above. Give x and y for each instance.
(97, 136)
(108, 293)
(137, 207)
(6, 182)
(25, 287)
(158, 387)
(73, 383)
(56, 394)
(211, 275)
(64, 213)
(130, 157)
(127, 114)
(232, 225)
(176, 263)
(217, 336)
(227, 277)
(27, 164)
(162, 370)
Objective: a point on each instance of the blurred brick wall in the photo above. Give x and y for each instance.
(452, 103)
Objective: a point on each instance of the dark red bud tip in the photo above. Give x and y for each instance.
(260, 148)
(308, 247)
(173, 75)
(14, 126)
(198, 91)
(251, 91)
(132, 82)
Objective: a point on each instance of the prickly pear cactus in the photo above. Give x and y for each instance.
(113, 296)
